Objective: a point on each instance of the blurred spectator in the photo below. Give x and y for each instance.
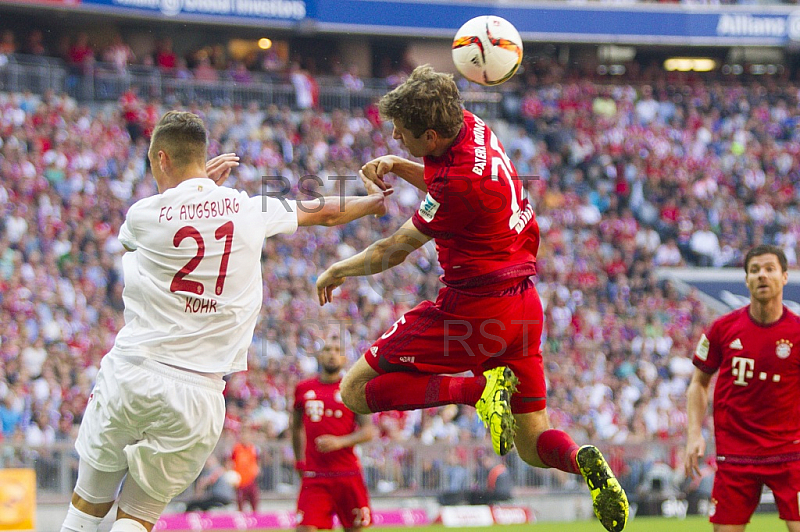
(34, 44)
(204, 71)
(244, 460)
(132, 112)
(496, 486)
(81, 54)
(705, 245)
(119, 54)
(271, 62)
(215, 487)
(182, 70)
(8, 44)
(698, 489)
(668, 254)
(39, 438)
(351, 80)
(165, 58)
(240, 74)
(11, 414)
(305, 88)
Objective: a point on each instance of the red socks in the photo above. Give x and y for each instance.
(410, 391)
(556, 449)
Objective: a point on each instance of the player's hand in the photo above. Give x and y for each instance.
(380, 195)
(328, 443)
(695, 449)
(326, 283)
(375, 170)
(219, 168)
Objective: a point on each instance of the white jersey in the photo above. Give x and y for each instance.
(193, 284)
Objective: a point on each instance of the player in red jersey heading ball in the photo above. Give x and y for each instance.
(756, 350)
(488, 317)
(324, 432)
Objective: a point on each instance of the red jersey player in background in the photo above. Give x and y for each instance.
(324, 432)
(756, 350)
(488, 317)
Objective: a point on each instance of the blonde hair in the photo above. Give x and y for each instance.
(426, 100)
(182, 135)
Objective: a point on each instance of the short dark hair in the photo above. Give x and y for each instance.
(766, 249)
(426, 100)
(182, 135)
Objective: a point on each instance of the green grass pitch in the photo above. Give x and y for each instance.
(759, 523)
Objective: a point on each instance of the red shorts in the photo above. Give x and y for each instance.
(321, 498)
(737, 491)
(465, 331)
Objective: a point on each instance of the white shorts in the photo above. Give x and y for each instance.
(158, 422)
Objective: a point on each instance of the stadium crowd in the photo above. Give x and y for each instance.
(624, 179)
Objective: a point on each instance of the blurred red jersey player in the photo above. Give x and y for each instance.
(324, 432)
(756, 351)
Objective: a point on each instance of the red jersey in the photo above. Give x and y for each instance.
(324, 413)
(485, 229)
(756, 406)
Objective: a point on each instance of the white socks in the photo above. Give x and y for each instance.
(128, 525)
(77, 521)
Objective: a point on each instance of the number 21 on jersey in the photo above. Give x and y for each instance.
(179, 282)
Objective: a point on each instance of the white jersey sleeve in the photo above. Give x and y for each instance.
(193, 285)
(126, 236)
(279, 215)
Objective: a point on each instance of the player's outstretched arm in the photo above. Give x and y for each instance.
(380, 256)
(375, 170)
(219, 168)
(697, 403)
(331, 210)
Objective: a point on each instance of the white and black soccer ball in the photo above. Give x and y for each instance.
(487, 50)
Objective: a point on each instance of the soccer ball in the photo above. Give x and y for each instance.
(487, 50)
(232, 477)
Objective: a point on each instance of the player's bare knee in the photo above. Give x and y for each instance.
(355, 400)
(91, 508)
(354, 395)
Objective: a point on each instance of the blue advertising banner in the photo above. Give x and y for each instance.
(726, 286)
(641, 24)
(630, 24)
(245, 11)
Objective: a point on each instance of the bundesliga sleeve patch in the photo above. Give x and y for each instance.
(701, 351)
(428, 208)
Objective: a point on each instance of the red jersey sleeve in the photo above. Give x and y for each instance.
(708, 355)
(445, 209)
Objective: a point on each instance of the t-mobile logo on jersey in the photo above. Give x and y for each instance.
(742, 370)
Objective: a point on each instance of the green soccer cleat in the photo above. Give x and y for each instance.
(494, 408)
(608, 498)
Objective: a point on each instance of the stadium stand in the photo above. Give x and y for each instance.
(626, 175)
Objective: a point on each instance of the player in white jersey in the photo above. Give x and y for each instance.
(192, 295)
